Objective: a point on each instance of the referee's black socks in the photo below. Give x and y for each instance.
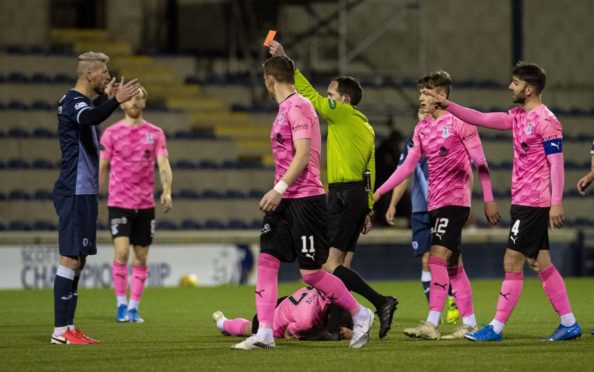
(354, 282)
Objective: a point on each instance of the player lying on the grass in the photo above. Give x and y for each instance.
(449, 145)
(303, 315)
(537, 193)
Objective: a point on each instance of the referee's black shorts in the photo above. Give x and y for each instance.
(297, 229)
(348, 205)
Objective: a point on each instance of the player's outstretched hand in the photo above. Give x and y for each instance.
(438, 100)
(166, 202)
(390, 213)
(276, 49)
(111, 88)
(270, 201)
(556, 218)
(584, 182)
(127, 90)
(492, 212)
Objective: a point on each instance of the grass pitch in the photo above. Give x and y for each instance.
(179, 334)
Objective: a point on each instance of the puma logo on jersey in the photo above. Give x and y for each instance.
(513, 239)
(438, 235)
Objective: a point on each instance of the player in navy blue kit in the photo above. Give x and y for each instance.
(75, 192)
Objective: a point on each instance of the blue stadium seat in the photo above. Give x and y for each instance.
(256, 224)
(18, 133)
(184, 164)
(44, 226)
(40, 78)
(237, 225)
(63, 79)
(187, 194)
(43, 133)
(166, 225)
(19, 195)
(42, 195)
(207, 164)
(231, 164)
(190, 224)
(17, 106)
(42, 164)
(255, 194)
(17, 164)
(213, 224)
(19, 226)
(211, 194)
(234, 194)
(17, 78)
(41, 106)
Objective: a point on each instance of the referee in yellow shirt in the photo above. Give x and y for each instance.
(351, 177)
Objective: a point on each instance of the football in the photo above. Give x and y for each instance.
(188, 280)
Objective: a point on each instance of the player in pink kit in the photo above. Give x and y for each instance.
(537, 192)
(449, 145)
(304, 312)
(129, 149)
(295, 220)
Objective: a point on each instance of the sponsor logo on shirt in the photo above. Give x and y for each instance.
(299, 126)
(80, 105)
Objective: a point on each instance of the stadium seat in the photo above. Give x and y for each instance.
(211, 194)
(42, 164)
(184, 164)
(63, 79)
(190, 224)
(43, 133)
(19, 195)
(255, 194)
(40, 78)
(41, 106)
(19, 226)
(187, 194)
(207, 164)
(17, 133)
(213, 224)
(234, 194)
(17, 105)
(17, 164)
(166, 225)
(237, 225)
(17, 78)
(256, 224)
(42, 195)
(44, 226)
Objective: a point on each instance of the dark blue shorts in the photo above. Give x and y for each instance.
(77, 227)
(421, 232)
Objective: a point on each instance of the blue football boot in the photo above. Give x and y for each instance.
(565, 333)
(484, 334)
(134, 317)
(122, 314)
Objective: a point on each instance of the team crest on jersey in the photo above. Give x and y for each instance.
(150, 139)
(443, 151)
(80, 105)
(529, 128)
(446, 132)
